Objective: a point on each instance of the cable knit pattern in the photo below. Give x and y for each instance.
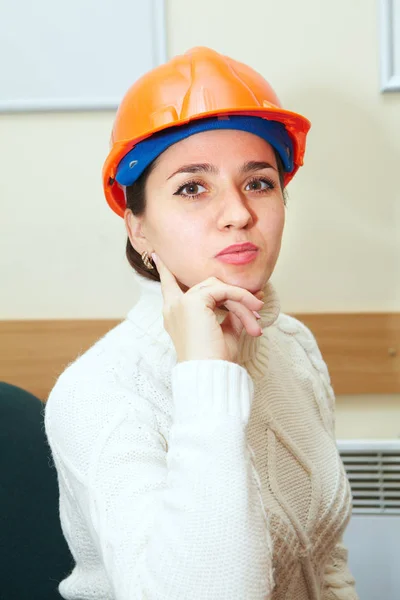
(202, 480)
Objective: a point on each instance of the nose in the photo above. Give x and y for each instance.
(234, 210)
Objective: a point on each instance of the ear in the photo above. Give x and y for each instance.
(134, 230)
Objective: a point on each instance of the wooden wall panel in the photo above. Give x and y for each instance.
(362, 350)
(34, 353)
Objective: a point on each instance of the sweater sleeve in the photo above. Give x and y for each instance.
(169, 522)
(339, 584)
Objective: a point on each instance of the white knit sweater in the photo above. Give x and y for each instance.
(202, 480)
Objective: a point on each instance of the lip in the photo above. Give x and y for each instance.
(237, 248)
(238, 258)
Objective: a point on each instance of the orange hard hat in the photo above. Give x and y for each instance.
(198, 84)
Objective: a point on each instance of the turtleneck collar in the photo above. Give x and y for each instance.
(147, 316)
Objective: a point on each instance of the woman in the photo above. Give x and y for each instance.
(194, 443)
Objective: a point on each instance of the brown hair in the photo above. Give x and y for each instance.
(136, 202)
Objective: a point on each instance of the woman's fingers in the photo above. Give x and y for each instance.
(247, 317)
(169, 286)
(217, 293)
(243, 306)
(225, 293)
(190, 320)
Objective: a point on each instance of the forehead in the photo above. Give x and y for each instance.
(224, 146)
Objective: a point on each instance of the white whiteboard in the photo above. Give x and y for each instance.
(76, 54)
(390, 45)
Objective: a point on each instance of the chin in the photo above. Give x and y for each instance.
(253, 282)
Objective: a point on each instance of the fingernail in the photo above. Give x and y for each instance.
(256, 314)
(154, 257)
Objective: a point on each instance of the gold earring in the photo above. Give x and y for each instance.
(146, 260)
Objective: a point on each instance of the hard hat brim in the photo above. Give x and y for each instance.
(297, 126)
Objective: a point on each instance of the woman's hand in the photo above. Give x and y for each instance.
(190, 320)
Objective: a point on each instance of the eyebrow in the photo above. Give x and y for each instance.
(248, 167)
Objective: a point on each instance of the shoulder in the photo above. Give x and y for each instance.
(301, 348)
(105, 361)
(293, 332)
(110, 366)
(305, 354)
(98, 389)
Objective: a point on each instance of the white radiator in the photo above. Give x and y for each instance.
(373, 533)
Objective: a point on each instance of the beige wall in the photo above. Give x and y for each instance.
(62, 249)
(368, 416)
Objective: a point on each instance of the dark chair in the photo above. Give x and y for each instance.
(34, 555)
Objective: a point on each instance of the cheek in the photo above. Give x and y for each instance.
(180, 233)
(185, 250)
(272, 222)
(191, 228)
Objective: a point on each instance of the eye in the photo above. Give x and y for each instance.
(260, 185)
(191, 189)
